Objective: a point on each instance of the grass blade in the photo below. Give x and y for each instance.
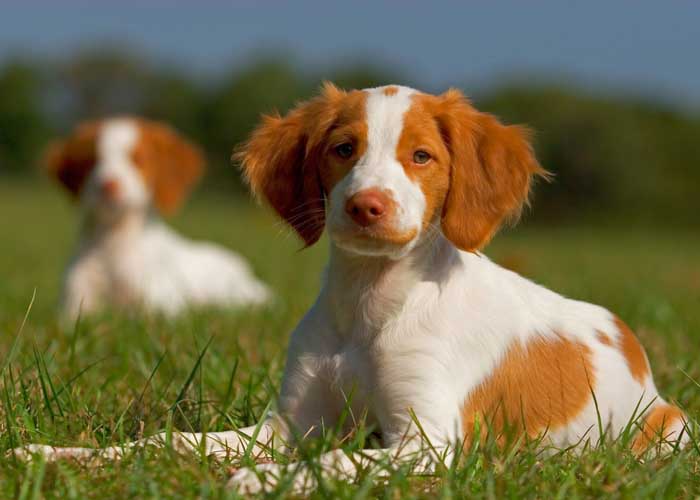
(191, 376)
(15, 342)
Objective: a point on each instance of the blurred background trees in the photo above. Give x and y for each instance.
(616, 158)
(23, 122)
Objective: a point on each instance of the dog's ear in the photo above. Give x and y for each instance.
(170, 164)
(71, 160)
(491, 169)
(280, 162)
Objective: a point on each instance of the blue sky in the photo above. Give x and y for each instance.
(642, 47)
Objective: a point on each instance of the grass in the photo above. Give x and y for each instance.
(117, 378)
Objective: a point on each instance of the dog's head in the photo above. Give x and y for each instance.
(123, 164)
(385, 167)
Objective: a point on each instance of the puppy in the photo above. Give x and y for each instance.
(413, 326)
(124, 171)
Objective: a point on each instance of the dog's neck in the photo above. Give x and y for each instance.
(368, 292)
(115, 232)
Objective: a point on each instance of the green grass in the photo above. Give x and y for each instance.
(113, 378)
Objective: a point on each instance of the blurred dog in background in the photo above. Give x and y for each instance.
(125, 172)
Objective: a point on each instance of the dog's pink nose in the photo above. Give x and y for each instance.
(367, 207)
(109, 189)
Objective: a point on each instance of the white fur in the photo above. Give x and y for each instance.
(127, 256)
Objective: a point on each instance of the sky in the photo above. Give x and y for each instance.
(640, 47)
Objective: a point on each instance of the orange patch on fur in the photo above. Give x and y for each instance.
(350, 126)
(656, 427)
(604, 339)
(288, 159)
(633, 351)
(71, 160)
(488, 166)
(391, 90)
(170, 165)
(420, 131)
(540, 386)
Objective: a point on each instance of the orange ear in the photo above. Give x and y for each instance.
(71, 160)
(280, 162)
(170, 164)
(490, 174)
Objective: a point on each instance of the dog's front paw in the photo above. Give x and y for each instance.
(54, 453)
(252, 480)
(28, 452)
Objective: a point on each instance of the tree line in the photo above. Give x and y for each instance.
(613, 157)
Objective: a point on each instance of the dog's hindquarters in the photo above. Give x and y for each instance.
(663, 428)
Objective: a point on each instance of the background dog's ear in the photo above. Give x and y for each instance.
(280, 162)
(71, 160)
(170, 164)
(492, 166)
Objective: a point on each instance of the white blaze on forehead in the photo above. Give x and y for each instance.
(385, 122)
(115, 145)
(117, 139)
(379, 168)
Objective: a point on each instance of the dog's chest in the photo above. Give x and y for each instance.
(112, 271)
(349, 374)
(378, 379)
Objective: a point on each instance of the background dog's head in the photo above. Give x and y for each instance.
(124, 164)
(386, 167)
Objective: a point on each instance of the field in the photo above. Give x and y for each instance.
(113, 379)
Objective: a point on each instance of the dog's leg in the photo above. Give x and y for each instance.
(267, 435)
(220, 444)
(419, 459)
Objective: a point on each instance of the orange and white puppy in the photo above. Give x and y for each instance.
(121, 169)
(413, 325)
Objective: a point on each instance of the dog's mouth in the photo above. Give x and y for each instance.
(107, 209)
(370, 223)
(374, 241)
(109, 203)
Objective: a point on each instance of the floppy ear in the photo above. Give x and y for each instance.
(71, 160)
(490, 174)
(170, 164)
(280, 162)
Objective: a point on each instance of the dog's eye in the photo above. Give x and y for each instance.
(345, 150)
(421, 157)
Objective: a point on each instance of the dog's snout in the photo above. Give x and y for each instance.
(367, 207)
(109, 188)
